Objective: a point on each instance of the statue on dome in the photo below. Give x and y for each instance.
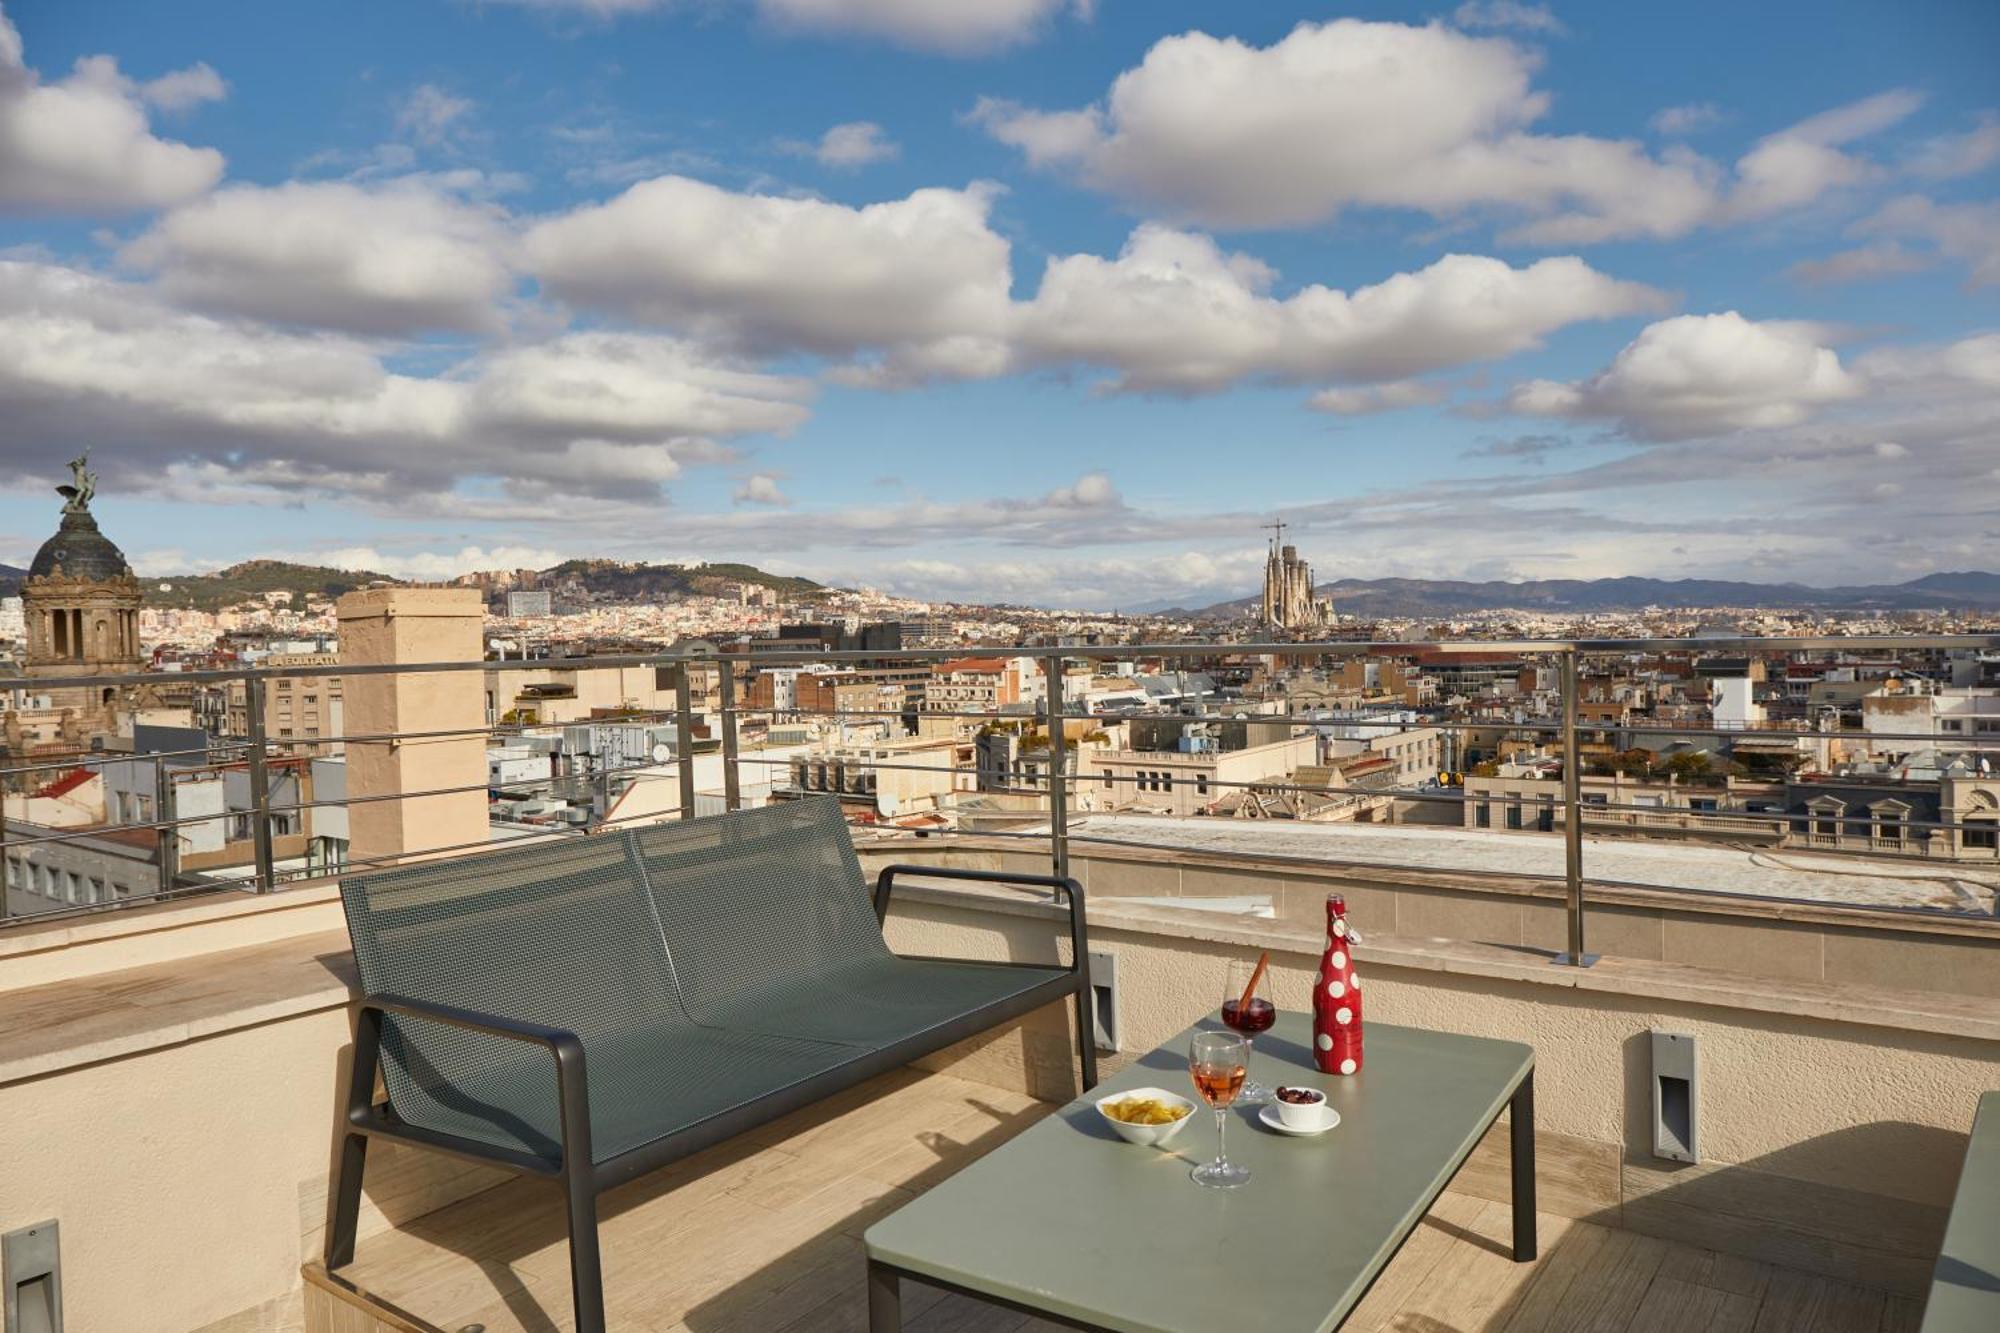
(83, 485)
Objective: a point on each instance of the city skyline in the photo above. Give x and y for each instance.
(1040, 304)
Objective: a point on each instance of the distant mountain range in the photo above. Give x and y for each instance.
(1415, 598)
(1968, 590)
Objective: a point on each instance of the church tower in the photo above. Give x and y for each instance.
(81, 602)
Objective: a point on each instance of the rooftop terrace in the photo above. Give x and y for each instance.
(764, 1233)
(168, 1069)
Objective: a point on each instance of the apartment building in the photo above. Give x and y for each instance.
(1186, 782)
(972, 685)
(302, 714)
(526, 693)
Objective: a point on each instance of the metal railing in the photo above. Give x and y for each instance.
(1051, 778)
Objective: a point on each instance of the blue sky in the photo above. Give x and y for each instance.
(1024, 300)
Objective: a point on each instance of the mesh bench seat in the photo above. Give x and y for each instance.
(768, 934)
(589, 1009)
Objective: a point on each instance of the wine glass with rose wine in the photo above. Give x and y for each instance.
(1217, 1061)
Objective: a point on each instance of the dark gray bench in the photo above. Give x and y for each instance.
(587, 1010)
(1965, 1289)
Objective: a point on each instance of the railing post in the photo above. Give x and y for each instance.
(163, 800)
(732, 781)
(6, 757)
(260, 786)
(1058, 769)
(1573, 956)
(684, 739)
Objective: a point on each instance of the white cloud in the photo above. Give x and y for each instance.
(1688, 118)
(206, 406)
(1799, 164)
(1968, 233)
(922, 278)
(1507, 14)
(1700, 375)
(398, 257)
(82, 144)
(436, 566)
(1351, 113)
(919, 288)
(952, 27)
(1948, 156)
(1368, 399)
(761, 488)
(1970, 365)
(1086, 512)
(1173, 311)
(184, 88)
(854, 144)
(1871, 261)
(432, 116)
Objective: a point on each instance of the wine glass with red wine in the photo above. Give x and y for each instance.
(1217, 1061)
(1246, 978)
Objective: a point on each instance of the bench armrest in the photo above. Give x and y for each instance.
(1064, 887)
(572, 1085)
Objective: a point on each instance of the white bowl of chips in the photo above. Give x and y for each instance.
(1146, 1116)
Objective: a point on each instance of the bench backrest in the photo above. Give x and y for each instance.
(556, 932)
(772, 894)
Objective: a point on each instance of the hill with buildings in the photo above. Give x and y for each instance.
(251, 580)
(625, 582)
(607, 580)
(1970, 589)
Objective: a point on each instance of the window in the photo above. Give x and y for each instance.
(1703, 805)
(1201, 784)
(1952, 724)
(1513, 814)
(1545, 818)
(1482, 815)
(1982, 835)
(97, 890)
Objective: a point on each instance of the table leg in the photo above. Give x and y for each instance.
(885, 1300)
(1521, 1129)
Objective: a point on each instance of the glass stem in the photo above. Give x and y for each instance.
(1221, 1121)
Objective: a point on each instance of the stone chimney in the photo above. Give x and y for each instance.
(412, 625)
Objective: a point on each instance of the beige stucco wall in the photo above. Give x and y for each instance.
(174, 1175)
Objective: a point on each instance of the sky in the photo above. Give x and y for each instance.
(1044, 301)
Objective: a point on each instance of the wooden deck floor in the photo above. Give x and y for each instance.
(762, 1236)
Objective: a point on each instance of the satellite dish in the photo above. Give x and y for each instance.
(887, 805)
(662, 753)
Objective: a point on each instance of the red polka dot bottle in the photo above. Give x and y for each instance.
(1337, 997)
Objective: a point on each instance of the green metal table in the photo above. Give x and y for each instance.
(1965, 1289)
(1070, 1222)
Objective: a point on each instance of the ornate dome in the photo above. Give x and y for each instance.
(81, 550)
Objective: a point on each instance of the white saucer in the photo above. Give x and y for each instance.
(1269, 1115)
